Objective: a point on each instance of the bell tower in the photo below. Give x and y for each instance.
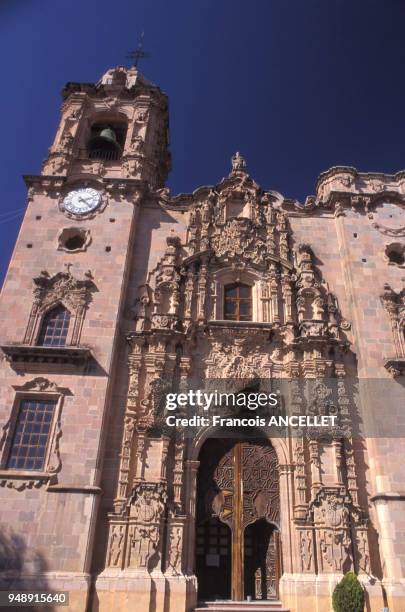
(115, 128)
(63, 308)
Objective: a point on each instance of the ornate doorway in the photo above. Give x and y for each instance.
(238, 513)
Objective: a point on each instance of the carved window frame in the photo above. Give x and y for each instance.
(63, 289)
(37, 389)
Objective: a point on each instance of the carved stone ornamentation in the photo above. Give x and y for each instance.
(145, 526)
(306, 550)
(239, 240)
(363, 550)
(116, 545)
(174, 547)
(238, 163)
(332, 511)
(238, 360)
(62, 288)
(394, 304)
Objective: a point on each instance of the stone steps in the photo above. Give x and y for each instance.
(241, 606)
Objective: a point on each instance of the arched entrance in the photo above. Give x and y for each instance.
(238, 513)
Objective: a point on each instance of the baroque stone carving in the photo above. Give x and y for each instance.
(394, 304)
(398, 232)
(175, 548)
(116, 545)
(306, 539)
(236, 233)
(332, 511)
(239, 240)
(238, 163)
(238, 360)
(61, 288)
(145, 524)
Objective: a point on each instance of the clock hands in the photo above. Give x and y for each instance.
(82, 201)
(85, 200)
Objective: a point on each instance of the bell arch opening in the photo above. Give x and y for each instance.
(237, 552)
(107, 140)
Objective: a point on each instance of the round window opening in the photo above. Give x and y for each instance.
(75, 242)
(395, 254)
(74, 239)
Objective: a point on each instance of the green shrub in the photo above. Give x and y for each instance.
(348, 595)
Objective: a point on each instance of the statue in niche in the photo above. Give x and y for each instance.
(238, 163)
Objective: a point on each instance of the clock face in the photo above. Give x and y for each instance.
(82, 201)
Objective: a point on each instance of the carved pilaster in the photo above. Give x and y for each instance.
(337, 448)
(174, 545)
(300, 509)
(264, 300)
(316, 481)
(306, 538)
(125, 459)
(274, 301)
(362, 550)
(188, 294)
(287, 293)
(202, 286)
(116, 542)
(351, 471)
(191, 469)
(178, 473)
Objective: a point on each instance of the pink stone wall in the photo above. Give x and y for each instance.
(58, 525)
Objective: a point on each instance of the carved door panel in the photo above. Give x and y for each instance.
(238, 484)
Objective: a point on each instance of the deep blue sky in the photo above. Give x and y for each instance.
(296, 85)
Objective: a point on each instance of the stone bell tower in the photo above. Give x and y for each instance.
(62, 307)
(115, 128)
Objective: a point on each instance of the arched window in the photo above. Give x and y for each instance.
(106, 141)
(54, 327)
(238, 302)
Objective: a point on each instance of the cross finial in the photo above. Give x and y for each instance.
(139, 52)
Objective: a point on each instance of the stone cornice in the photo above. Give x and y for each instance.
(39, 358)
(388, 496)
(336, 170)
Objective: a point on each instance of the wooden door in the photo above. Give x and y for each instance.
(238, 484)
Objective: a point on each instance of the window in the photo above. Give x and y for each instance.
(238, 302)
(395, 253)
(31, 435)
(54, 327)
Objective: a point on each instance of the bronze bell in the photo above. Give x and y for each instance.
(108, 134)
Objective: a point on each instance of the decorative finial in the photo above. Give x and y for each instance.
(139, 52)
(238, 163)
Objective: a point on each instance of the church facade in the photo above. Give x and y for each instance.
(118, 293)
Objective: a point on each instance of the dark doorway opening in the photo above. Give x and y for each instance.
(238, 509)
(260, 561)
(213, 560)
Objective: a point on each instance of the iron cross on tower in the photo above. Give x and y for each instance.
(138, 53)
